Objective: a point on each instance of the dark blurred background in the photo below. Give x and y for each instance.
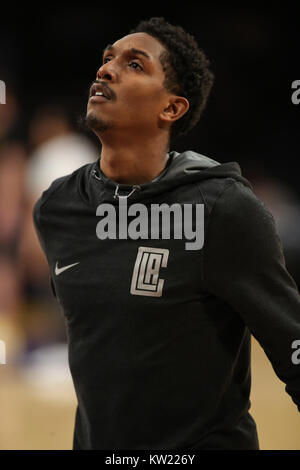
(49, 55)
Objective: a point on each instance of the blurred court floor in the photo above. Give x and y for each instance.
(39, 414)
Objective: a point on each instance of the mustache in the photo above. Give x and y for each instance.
(105, 87)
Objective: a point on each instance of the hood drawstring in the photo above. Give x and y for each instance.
(96, 176)
(135, 187)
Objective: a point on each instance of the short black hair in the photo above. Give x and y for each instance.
(186, 69)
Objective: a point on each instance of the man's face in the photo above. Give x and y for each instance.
(135, 82)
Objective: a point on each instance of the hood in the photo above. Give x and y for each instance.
(182, 168)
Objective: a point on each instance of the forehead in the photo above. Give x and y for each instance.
(141, 41)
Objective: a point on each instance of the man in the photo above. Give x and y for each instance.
(158, 325)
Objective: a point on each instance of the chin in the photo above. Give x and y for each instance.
(95, 123)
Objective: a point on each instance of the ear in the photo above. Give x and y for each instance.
(176, 108)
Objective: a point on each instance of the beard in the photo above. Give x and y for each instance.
(95, 124)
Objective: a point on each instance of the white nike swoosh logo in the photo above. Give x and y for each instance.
(58, 270)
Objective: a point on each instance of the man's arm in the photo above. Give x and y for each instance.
(243, 264)
(38, 221)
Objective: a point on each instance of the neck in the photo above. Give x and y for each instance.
(133, 163)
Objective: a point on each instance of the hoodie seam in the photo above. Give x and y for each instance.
(202, 195)
(51, 193)
(229, 185)
(87, 203)
(54, 191)
(43, 204)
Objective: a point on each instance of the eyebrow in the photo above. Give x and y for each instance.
(110, 47)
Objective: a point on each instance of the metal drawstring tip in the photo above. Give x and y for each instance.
(116, 192)
(118, 196)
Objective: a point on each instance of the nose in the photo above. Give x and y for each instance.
(107, 72)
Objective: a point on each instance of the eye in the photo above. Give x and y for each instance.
(136, 63)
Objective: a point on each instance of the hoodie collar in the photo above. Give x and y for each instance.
(181, 168)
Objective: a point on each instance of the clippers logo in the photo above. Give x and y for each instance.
(145, 280)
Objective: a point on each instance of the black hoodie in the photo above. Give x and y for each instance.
(160, 353)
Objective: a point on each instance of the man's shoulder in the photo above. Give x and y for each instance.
(61, 192)
(238, 205)
(64, 185)
(225, 191)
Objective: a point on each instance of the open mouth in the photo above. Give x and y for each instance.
(98, 98)
(100, 92)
